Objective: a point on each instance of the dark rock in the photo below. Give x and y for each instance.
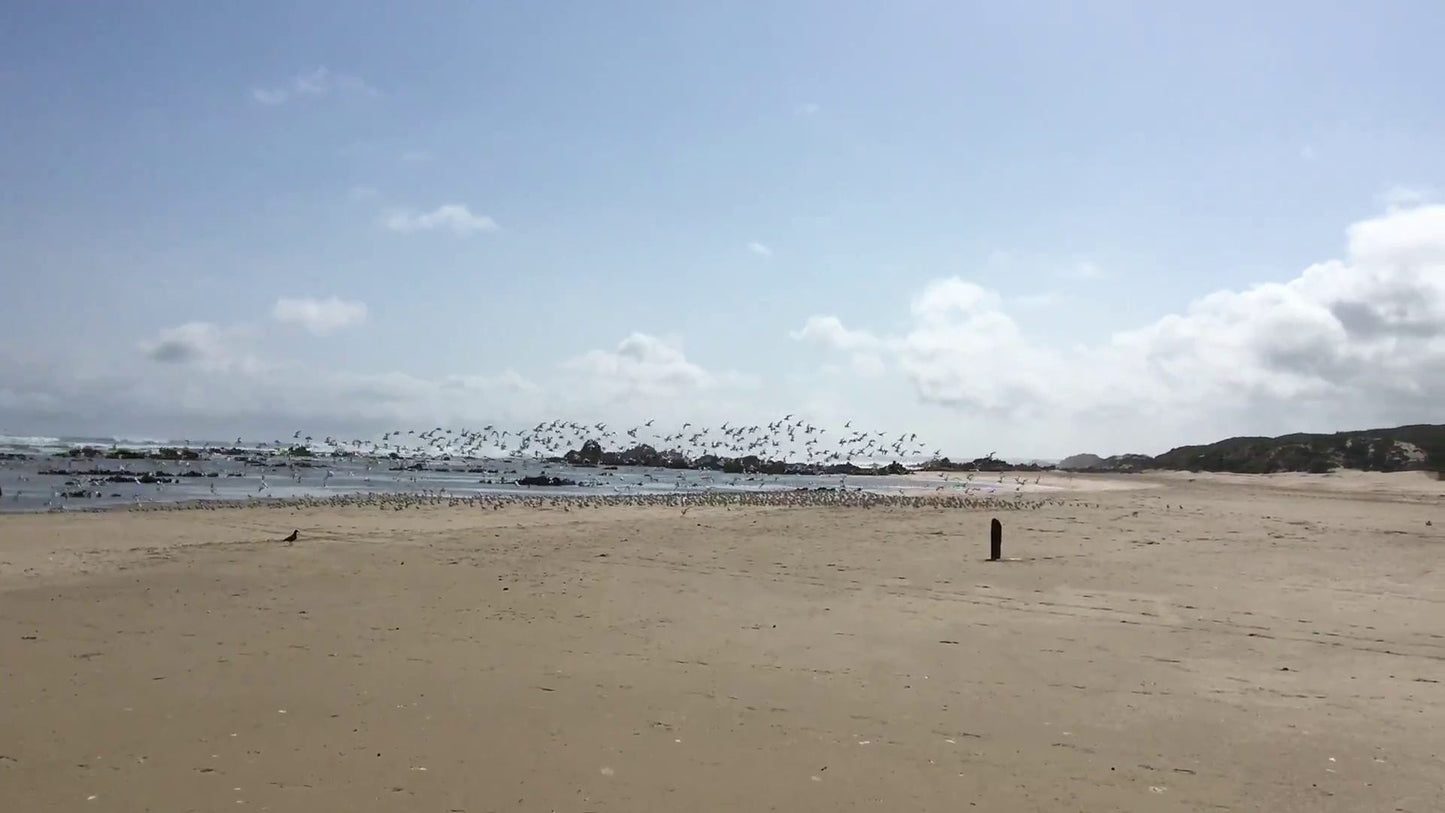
(986, 463)
(673, 459)
(175, 454)
(544, 480)
(125, 454)
(639, 455)
(589, 455)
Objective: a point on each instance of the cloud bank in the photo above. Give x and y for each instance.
(1346, 343)
(1354, 341)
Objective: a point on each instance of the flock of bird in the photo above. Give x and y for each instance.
(404, 452)
(800, 498)
(789, 438)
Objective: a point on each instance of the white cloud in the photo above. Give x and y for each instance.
(319, 316)
(829, 330)
(1308, 153)
(647, 376)
(809, 108)
(199, 379)
(760, 249)
(1351, 342)
(642, 365)
(453, 216)
(201, 345)
(1086, 270)
(191, 342)
(314, 83)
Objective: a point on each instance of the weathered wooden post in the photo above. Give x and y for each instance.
(995, 541)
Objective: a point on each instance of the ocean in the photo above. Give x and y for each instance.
(37, 474)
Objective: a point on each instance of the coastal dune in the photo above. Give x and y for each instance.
(1153, 643)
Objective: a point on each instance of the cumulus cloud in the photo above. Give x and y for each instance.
(198, 380)
(200, 344)
(642, 365)
(314, 83)
(1352, 340)
(760, 249)
(319, 316)
(201, 379)
(456, 217)
(830, 330)
(190, 342)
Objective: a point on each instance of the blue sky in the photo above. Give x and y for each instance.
(485, 205)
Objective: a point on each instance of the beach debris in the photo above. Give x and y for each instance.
(995, 540)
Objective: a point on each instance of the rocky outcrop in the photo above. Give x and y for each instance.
(1119, 463)
(123, 476)
(639, 455)
(592, 454)
(1081, 462)
(544, 480)
(589, 455)
(987, 463)
(167, 453)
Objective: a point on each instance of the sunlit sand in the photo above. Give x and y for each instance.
(1175, 642)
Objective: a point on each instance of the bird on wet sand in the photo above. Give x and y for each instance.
(292, 537)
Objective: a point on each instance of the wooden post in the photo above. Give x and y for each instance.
(995, 541)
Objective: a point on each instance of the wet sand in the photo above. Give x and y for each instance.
(1160, 643)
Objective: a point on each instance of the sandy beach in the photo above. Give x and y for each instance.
(1155, 643)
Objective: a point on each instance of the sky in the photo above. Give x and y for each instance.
(1036, 228)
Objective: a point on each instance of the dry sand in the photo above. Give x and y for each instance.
(1184, 643)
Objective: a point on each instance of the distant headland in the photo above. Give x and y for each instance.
(1400, 448)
